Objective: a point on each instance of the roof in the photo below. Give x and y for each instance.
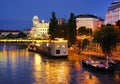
(89, 16)
(35, 17)
(9, 30)
(113, 6)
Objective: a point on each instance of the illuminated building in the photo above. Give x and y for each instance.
(113, 13)
(88, 21)
(39, 29)
(7, 32)
(60, 21)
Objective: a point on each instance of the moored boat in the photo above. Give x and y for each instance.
(99, 65)
(57, 48)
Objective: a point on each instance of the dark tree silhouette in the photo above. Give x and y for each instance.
(82, 31)
(21, 35)
(118, 24)
(106, 36)
(72, 29)
(53, 26)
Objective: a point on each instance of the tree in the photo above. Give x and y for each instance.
(118, 24)
(53, 26)
(72, 29)
(21, 35)
(85, 43)
(65, 30)
(106, 37)
(10, 35)
(89, 31)
(82, 31)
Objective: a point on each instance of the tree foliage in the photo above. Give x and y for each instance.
(10, 35)
(72, 29)
(84, 31)
(85, 43)
(21, 35)
(53, 26)
(118, 24)
(106, 36)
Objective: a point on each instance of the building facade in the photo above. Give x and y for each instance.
(7, 32)
(39, 29)
(61, 21)
(88, 21)
(113, 13)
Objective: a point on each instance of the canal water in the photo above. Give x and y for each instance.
(19, 66)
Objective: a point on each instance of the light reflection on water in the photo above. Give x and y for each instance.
(18, 66)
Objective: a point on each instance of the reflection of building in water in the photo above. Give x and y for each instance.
(50, 72)
(39, 29)
(10, 55)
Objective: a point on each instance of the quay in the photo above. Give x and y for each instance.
(116, 55)
(100, 54)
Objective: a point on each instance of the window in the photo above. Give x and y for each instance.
(57, 51)
(57, 46)
(63, 46)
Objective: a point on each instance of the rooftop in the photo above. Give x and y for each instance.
(113, 6)
(9, 30)
(89, 16)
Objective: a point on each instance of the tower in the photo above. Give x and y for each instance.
(35, 21)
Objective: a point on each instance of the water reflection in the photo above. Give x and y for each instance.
(18, 66)
(50, 71)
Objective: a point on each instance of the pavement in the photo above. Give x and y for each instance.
(100, 54)
(116, 55)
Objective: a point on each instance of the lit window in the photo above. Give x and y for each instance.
(63, 46)
(57, 46)
(47, 44)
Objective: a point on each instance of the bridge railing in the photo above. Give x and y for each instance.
(21, 40)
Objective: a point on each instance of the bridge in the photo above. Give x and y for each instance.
(21, 41)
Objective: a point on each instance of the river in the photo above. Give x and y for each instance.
(19, 66)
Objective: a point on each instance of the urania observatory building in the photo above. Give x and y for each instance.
(113, 12)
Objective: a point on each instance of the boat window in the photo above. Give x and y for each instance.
(57, 51)
(57, 46)
(63, 46)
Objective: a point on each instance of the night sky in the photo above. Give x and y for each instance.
(26, 9)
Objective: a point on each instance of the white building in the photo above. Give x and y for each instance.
(7, 32)
(113, 13)
(88, 21)
(39, 29)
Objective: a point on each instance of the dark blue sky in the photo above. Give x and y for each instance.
(26, 9)
(18, 14)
